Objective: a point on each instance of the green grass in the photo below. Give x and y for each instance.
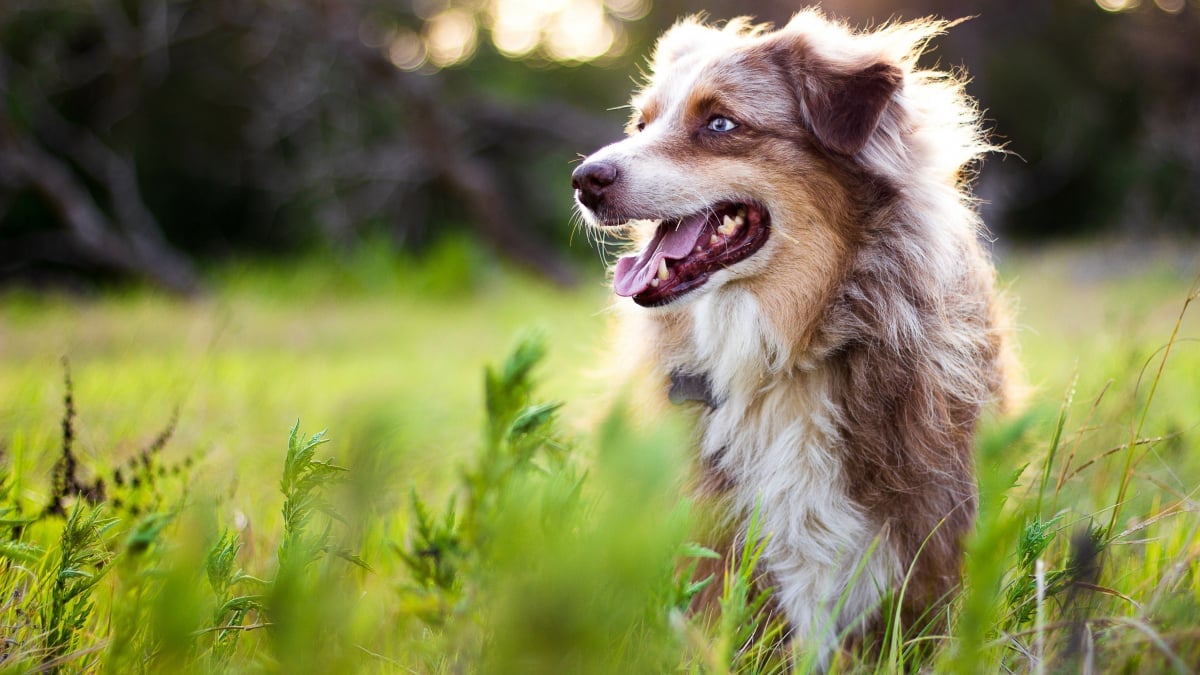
(479, 526)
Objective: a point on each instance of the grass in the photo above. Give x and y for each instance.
(450, 520)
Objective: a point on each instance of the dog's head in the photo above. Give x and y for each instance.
(754, 153)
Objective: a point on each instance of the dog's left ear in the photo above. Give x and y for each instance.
(844, 109)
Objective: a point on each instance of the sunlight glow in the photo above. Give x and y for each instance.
(628, 10)
(517, 26)
(450, 37)
(569, 31)
(1170, 6)
(1118, 5)
(579, 32)
(406, 50)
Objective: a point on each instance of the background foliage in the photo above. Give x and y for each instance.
(141, 137)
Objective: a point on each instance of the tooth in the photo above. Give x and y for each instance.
(654, 283)
(663, 272)
(741, 213)
(740, 220)
(699, 248)
(713, 240)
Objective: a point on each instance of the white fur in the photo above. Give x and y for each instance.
(775, 432)
(784, 465)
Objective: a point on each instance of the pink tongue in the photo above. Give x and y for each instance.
(672, 241)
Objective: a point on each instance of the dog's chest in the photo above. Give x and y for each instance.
(779, 454)
(768, 431)
(779, 444)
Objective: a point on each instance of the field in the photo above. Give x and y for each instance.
(498, 533)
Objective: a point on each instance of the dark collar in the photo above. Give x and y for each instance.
(690, 387)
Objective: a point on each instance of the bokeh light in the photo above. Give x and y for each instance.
(580, 32)
(1118, 5)
(562, 31)
(517, 26)
(628, 10)
(406, 50)
(450, 37)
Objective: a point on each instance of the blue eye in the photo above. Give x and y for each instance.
(721, 124)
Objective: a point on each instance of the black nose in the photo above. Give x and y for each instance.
(591, 179)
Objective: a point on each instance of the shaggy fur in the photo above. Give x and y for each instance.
(849, 357)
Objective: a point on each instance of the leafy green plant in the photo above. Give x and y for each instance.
(747, 638)
(138, 582)
(12, 524)
(80, 565)
(569, 553)
(299, 582)
(445, 553)
(232, 604)
(303, 480)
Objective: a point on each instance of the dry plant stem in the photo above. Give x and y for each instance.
(1183, 500)
(1054, 440)
(1124, 446)
(1155, 639)
(1087, 426)
(243, 628)
(1089, 651)
(1136, 432)
(55, 663)
(1101, 622)
(1109, 591)
(1179, 570)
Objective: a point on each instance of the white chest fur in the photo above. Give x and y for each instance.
(775, 436)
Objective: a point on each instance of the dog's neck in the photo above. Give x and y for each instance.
(692, 387)
(721, 350)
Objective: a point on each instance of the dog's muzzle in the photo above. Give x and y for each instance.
(591, 180)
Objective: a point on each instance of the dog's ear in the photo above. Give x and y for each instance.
(842, 100)
(845, 108)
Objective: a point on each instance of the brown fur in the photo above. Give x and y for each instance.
(877, 337)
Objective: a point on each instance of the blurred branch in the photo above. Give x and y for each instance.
(88, 229)
(478, 183)
(118, 174)
(132, 242)
(243, 124)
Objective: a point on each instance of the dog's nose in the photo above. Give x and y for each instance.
(591, 179)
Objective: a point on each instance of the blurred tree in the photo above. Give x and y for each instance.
(132, 130)
(139, 135)
(1098, 102)
(1104, 109)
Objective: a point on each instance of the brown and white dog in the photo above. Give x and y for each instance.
(808, 276)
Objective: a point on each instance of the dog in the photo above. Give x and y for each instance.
(807, 277)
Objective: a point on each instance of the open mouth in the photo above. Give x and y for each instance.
(685, 252)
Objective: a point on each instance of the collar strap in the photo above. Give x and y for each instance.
(689, 387)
